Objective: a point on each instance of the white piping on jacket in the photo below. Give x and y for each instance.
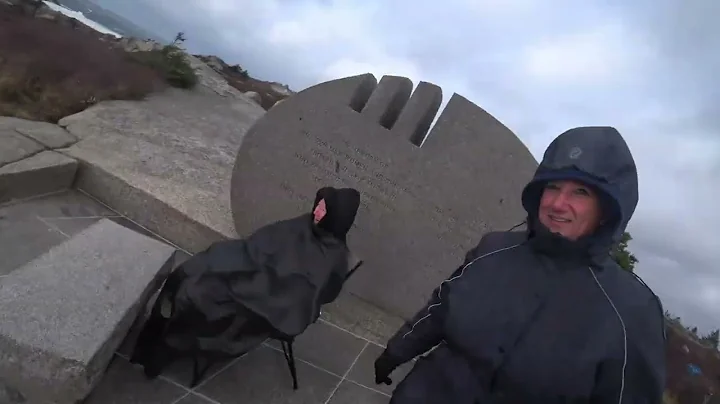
(462, 272)
(597, 282)
(622, 323)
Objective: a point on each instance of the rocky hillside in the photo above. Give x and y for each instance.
(52, 66)
(265, 93)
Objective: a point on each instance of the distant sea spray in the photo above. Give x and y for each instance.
(81, 17)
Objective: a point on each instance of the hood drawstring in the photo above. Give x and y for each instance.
(518, 225)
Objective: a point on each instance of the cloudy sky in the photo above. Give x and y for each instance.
(647, 67)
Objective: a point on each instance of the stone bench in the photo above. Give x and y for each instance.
(64, 314)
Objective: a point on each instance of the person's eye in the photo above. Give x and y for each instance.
(582, 191)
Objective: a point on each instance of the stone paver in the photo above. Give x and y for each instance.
(262, 376)
(49, 135)
(66, 204)
(16, 147)
(28, 164)
(124, 384)
(26, 233)
(73, 225)
(38, 174)
(328, 347)
(20, 138)
(22, 239)
(334, 365)
(364, 370)
(352, 393)
(195, 399)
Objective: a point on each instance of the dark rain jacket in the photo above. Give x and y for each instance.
(531, 317)
(230, 297)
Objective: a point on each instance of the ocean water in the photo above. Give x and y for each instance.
(81, 17)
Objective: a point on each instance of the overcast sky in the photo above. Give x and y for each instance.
(647, 67)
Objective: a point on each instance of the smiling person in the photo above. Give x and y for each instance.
(544, 315)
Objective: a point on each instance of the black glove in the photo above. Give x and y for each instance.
(384, 365)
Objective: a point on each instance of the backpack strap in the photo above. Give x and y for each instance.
(287, 347)
(354, 262)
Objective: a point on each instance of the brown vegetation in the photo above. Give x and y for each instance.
(48, 70)
(52, 66)
(682, 350)
(239, 78)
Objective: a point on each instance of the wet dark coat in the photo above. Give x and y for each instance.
(232, 296)
(531, 317)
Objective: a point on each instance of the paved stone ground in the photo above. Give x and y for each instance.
(334, 365)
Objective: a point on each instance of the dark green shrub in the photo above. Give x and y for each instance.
(171, 63)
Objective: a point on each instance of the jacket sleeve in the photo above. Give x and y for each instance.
(425, 329)
(642, 379)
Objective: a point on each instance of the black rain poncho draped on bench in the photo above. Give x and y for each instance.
(228, 299)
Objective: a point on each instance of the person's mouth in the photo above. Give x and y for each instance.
(558, 219)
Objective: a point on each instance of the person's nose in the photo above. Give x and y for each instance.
(560, 201)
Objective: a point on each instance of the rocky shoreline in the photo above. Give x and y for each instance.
(214, 73)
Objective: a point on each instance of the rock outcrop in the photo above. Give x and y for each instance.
(29, 164)
(215, 76)
(138, 45)
(266, 94)
(165, 162)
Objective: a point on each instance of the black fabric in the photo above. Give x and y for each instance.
(342, 206)
(530, 317)
(384, 365)
(185, 333)
(229, 298)
(560, 248)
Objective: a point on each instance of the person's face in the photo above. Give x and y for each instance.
(569, 208)
(320, 211)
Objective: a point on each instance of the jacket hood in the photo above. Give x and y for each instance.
(341, 205)
(599, 157)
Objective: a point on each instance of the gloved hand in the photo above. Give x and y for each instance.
(384, 365)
